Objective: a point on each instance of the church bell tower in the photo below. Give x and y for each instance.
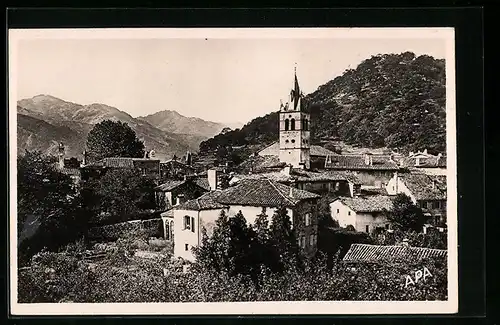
(294, 130)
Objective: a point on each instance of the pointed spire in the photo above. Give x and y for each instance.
(296, 91)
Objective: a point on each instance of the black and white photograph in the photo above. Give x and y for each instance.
(232, 171)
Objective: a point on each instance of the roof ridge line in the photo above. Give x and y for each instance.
(274, 186)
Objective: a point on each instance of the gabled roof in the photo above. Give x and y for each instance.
(357, 162)
(376, 253)
(422, 187)
(169, 185)
(172, 184)
(263, 193)
(273, 150)
(369, 203)
(207, 201)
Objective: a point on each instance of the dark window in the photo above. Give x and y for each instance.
(367, 228)
(186, 247)
(349, 213)
(306, 125)
(167, 230)
(293, 141)
(187, 222)
(192, 224)
(337, 210)
(286, 141)
(287, 122)
(292, 124)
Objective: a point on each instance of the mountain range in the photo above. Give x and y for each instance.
(392, 101)
(44, 120)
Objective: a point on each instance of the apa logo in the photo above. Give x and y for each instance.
(419, 275)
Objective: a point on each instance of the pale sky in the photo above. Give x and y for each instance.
(223, 80)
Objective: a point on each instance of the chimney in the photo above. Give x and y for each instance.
(290, 192)
(179, 199)
(212, 175)
(188, 158)
(61, 155)
(84, 161)
(425, 151)
(368, 159)
(287, 169)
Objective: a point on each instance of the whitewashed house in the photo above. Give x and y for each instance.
(364, 213)
(251, 197)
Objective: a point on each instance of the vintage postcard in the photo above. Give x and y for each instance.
(232, 171)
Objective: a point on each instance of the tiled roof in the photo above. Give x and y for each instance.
(207, 201)
(260, 163)
(373, 190)
(203, 183)
(375, 253)
(120, 162)
(169, 185)
(273, 150)
(369, 203)
(300, 175)
(172, 184)
(422, 187)
(70, 171)
(263, 193)
(357, 162)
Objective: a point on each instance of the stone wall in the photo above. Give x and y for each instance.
(149, 228)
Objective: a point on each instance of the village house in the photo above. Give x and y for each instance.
(174, 192)
(375, 170)
(427, 191)
(251, 197)
(364, 213)
(147, 166)
(426, 163)
(176, 168)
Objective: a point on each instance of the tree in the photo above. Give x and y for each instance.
(405, 215)
(113, 139)
(123, 193)
(283, 239)
(48, 205)
(229, 249)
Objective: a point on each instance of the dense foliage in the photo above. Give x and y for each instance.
(239, 249)
(405, 215)
(49, 210)
(392, 100)
(62, 278)
(113, 139)
(119, 195)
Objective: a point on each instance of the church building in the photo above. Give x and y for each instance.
(294, 139)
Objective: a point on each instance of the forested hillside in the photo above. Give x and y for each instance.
(389, 100)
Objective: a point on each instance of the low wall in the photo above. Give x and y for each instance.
(151, 228)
